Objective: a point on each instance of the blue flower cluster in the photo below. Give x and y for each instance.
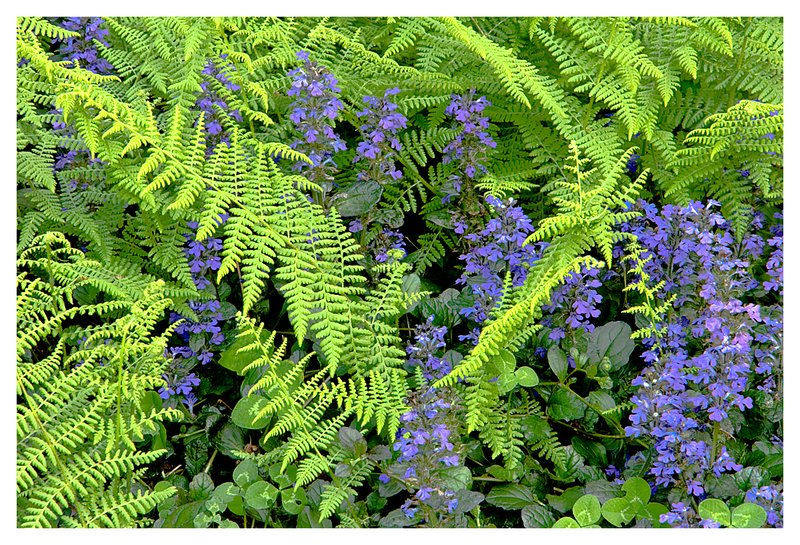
(213, 106)
(180, 384)
(684, 516)
(574, 303)
(497, 249)
(427, 440)
(633, 163)
(385, 241)
(468, 150)
(82, 50)
(775, 261)
(314, 112)
(700, 362)
(379, 141)
(771, 499)
(199, 335)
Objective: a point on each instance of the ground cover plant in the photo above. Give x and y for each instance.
(399, 272)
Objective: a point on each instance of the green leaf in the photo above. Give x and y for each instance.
(637, 491)
(505, 362)
(260, 495)
(571, 466)
(510, 496)
(586, 510)
(506, 382)
(352, 441)
(396, 519)
(619, 511)
(467, 501)
(722, 487)
(160, 439)
(566, 522)
(442, 218)
(225, 493)
(183, 516)
(612, 341)
(151, 400)
(748, 515)
(566, 499)
(246, 473)
(715, 510)
(558, 362)
(236, 506)
(201, 487)
(750, 477)
(285, 479)
(357, 199)
(228, 310)
(229, 439)
(246, 411)
(236, 362)
(393, 487)
(527, 377)
(565, 405)
(292, 500)
(196, 453)
(653, 512)
(456, 478)
(537, 516)
(592, 451)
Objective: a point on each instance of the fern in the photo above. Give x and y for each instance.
(81, 414)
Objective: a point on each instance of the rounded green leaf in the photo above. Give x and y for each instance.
(586, 510)
(505, 361)
(225, 493)
(293, 500)
(260, 495)
(506, 382)
(715, 510)
(235, 361)
(236, 506)
(245, 413)
(527, 377)
(653, 511)
(566, 522)
(637, 490)
(748, 515)
(619, 511)
(201, 487)
(246, 473)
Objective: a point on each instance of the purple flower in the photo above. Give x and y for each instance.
(698, 369)
(379, 143)
(497, 249)
(212, 105)
(468, 150)
(82, 50)
(314, 110)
